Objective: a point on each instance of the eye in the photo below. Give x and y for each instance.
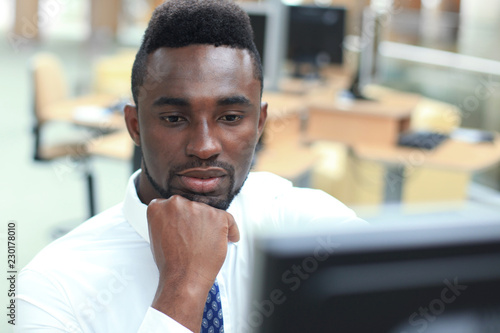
(173, 119)
(231, 117)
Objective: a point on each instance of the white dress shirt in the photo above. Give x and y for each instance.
(101, 277)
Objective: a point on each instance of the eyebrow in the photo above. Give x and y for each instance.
(170, 101)
(231, 100)
(234, 100)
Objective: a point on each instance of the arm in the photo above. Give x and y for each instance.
(189, 244)
(43, 307)
(53, 302)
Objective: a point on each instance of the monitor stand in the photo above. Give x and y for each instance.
(307, 70)
(354, 91)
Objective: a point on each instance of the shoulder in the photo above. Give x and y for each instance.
(266, 183)
(278, 200)
(270, 186)
(104, 261)
(103, 234)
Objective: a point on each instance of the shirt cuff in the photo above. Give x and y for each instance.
(155, 321)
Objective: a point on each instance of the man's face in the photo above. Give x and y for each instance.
(199, 120)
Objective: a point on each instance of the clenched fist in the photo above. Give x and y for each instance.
(189, 244)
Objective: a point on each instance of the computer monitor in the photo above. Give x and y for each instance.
(436, 279)
(259, 25)
(268, 19)
(316, 35)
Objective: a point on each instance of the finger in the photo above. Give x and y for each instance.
(233, 234)
(152, 210)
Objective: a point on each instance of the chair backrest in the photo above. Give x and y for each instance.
(112, 74)
(49, 87)
(49, 84)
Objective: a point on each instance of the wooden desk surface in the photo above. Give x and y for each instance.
(283, 153)
(115, 121)
(64, 110)
(386, 103)
(281, 105)
(111, 121)
(290, 161)
(451, 155)
(117, 145)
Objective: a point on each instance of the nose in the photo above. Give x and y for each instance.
(203, 141)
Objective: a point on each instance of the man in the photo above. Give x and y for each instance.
(176, 255)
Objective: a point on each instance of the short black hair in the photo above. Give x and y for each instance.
(179, 23)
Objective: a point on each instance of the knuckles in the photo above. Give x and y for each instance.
(160, 206)
(178, 208)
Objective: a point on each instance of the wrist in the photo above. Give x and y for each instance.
(182, 299)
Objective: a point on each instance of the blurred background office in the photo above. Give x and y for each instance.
(358, 90)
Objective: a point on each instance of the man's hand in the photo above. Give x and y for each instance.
(189, 244)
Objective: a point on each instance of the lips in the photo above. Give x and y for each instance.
(202, 180)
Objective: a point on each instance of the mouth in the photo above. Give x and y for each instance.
(202, 180)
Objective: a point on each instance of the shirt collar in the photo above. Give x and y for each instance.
(134, 210)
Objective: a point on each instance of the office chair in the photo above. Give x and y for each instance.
(50, 88)
(51, 104)
(117, 145)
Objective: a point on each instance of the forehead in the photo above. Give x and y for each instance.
(199, 69)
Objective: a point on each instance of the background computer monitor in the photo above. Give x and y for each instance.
(316, 35)
(259, 24)
(268, 19)
(397, 280)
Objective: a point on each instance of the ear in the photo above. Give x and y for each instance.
(262, 118)
(132, 122)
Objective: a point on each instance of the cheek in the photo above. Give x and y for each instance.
(247, 149)
(158, 149)
(244, 147)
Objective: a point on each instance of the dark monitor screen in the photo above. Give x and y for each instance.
(258, 22)
(433, 279)
(316, 34)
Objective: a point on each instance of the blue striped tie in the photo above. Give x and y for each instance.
(212, 314)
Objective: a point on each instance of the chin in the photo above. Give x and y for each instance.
(219, 203)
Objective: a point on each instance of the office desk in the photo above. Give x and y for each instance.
(111, 137)
(451, 154)
(376, 169)
(113, 121)
(419, 175)
(284, 152)
(353, 122)
(65, 110)
(284, 116)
